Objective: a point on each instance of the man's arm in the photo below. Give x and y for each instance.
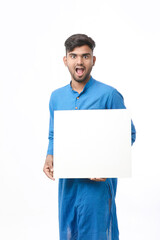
(117, 102)
(48, 167)
(50, 150)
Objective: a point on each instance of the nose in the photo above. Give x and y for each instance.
(79, 60)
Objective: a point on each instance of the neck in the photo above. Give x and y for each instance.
(79, 86)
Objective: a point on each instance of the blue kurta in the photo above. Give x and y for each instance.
(87, 209)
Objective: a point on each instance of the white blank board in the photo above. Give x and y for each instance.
(92, 143)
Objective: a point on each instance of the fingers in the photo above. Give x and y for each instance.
(48, 167)
(98, 179)
(48, 170)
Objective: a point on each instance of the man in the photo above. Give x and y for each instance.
(87, 209)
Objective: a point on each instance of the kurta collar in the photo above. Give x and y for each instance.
(88, 84)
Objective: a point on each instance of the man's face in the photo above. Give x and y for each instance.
(80, 62)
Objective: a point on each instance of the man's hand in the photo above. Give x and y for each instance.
(98, 179)
(48, 167)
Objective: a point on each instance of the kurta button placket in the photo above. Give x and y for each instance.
(76, 103)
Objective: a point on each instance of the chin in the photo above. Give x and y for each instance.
(80, 80)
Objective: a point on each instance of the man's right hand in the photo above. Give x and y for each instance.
(48, 167)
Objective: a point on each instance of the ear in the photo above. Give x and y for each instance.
(65, 60)
(94, 60)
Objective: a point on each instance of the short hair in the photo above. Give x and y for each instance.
(78, 40)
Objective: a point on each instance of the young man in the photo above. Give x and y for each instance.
(87, 209)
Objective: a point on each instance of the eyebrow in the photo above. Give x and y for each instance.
(84, 54)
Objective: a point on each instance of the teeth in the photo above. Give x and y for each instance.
(79, 69)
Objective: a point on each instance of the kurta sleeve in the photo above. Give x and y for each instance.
(51, 127)
(116, 101)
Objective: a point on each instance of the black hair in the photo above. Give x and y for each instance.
(78, 40)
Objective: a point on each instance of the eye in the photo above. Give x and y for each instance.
(73, 56)
(85, 56)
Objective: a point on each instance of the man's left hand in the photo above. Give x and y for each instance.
(98, 179)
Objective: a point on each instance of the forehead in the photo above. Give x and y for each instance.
(81, 50)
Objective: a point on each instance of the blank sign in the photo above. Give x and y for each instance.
(92, 143)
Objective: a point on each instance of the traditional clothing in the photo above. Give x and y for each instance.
(87, 209)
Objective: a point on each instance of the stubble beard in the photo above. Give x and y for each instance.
(82, 79)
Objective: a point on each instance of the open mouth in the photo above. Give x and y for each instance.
(79, 71)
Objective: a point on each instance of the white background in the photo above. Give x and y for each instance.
(127, 35)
